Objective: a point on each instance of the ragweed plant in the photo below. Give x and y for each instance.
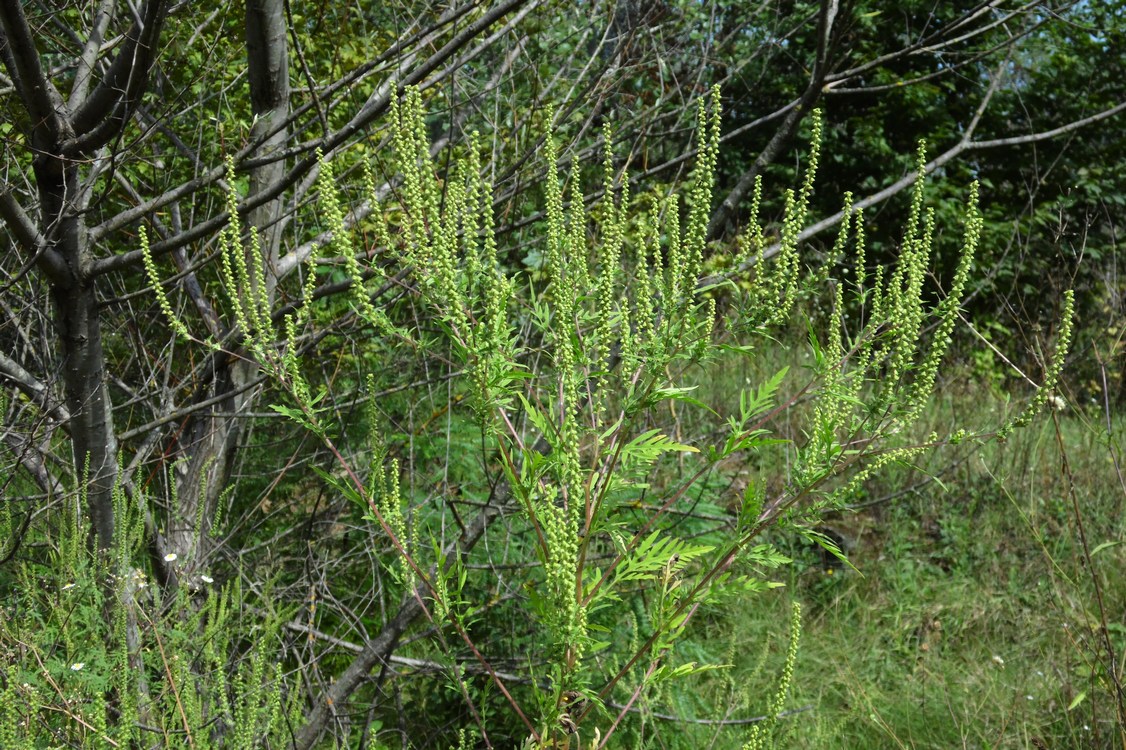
(568, 379)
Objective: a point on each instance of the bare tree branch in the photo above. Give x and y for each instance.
(36, 391)
(372, 110)
(86, 61)
(20, 56)
(31, 241)
(101, 114)
(378, 650)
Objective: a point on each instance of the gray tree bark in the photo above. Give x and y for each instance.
(211, 439)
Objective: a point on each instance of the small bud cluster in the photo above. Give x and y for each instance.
(760, 736)
(777, 288)
(158, 288)
(341, 245)
(243, 279)
(1054, 368)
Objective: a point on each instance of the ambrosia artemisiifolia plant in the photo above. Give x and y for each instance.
(568, 373)
(567, 402)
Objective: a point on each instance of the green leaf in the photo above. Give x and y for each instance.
(765, 555)
(345, 489)
(828, 545)
(537, 418)
(672, 393)
(1105, 545)
(753, 498)
(296, 415)
(664, 672)
(652, 443)
(654, 553)
(759, 401)
(611, 429)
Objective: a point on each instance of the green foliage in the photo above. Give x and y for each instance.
(761, 733)
(586, 478)
(559, 386)
(519, 456)
(978, 616)
(99, 655)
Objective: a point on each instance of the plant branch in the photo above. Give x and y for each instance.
(372, 110)
(100, 115)
(728, 206)
(21, 58)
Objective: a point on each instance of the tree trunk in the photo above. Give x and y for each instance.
(211, 439)
(82, 360)
(83, 377)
